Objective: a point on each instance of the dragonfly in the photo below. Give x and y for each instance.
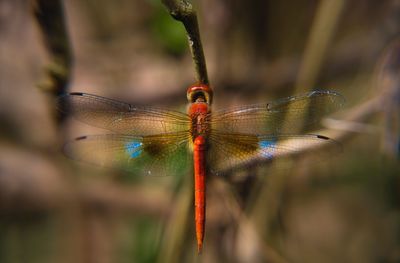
(154, 141)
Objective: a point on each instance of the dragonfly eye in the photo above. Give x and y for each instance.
(199, 93)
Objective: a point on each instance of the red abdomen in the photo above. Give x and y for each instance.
(199, 188)
(199, 113)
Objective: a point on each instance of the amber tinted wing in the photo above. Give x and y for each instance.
(122, 117)
(156, 155)
(229, 151)
(282, 116)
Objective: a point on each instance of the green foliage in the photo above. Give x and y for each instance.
(168, 32)
(141, 246)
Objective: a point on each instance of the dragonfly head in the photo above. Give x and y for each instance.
(199, 93)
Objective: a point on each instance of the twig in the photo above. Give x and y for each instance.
(177, 226)
(323, 29)
(245, 226)
(183, 11)
(51, 21)
(388, 79)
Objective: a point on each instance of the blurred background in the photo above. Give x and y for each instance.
(343, 209)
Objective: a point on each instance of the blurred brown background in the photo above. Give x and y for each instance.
(345, 209)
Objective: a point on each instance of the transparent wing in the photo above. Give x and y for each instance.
(282, 116)
(229, 151)
(122, 117)
(149, 155)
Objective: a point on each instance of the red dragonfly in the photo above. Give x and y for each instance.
(153, 141)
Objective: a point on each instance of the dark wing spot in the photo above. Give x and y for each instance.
(153, 149)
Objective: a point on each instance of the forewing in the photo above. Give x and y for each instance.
(231, 151)
(122, 117)
(149, 155)
(282, 116)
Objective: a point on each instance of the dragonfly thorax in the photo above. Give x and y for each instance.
(199, 114)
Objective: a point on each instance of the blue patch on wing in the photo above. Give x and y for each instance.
(267, 148)
(133, 148)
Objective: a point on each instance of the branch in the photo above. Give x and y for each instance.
(247, 231)
(322, 31)
(51, 21)
(182, 11)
